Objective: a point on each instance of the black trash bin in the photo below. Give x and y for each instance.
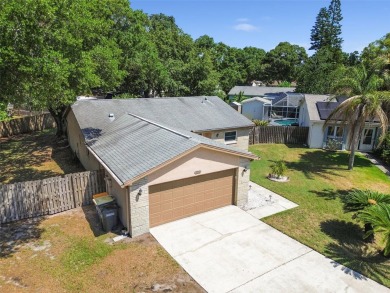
(107, 210)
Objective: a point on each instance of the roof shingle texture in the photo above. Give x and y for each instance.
(259, 90)
(131, 146)
(188, 113)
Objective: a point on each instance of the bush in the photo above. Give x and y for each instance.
(383, 151)
(279, 168)
(260, 122)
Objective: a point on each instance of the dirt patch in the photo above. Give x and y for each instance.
(35, 156)
(61, 253)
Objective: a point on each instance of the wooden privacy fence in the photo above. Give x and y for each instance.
(49, 196)
(279, 134)
(26, 124)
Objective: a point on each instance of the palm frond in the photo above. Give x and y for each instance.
(357, 199)
(379, 217)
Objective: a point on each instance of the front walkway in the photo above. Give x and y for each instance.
(263, 202)
(377, 163)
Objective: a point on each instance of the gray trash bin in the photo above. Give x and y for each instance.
(109, 216)
(107, 210)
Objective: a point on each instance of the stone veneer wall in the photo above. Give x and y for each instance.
(243, 182)
(139, 207)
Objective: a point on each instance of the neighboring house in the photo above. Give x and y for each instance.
(316, 109)
(165, 159)
(279, 106)
(256, 108)
(258, 91)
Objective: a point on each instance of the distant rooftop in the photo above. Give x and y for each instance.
(260, 91)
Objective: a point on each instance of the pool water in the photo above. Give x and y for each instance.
(286, 122)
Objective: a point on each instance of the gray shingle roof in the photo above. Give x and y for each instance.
(259, 90)
(131, 146)
(262, 100)
(188, 113)
(311, 102)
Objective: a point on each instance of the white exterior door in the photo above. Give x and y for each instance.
(367, 140)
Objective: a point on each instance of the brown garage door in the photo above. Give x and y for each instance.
(182, 198)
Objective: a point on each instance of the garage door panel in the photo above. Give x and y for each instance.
(155, 208)
(177, 192)
(154, 198)
(182, 198)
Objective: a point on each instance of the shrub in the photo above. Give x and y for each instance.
(333, 144)
(378, 216)
(357, 200)
(384, 150)
(260, 122)
(278, 168)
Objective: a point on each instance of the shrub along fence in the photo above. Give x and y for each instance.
(49, 196)
(278, 134)
(26, 124)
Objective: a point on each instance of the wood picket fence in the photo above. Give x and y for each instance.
(279, 134)
(26, 124)
(49, 196)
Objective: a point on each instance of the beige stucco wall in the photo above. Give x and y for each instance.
(77, 144)
(121, 197)
(242, 141)
(200, 162)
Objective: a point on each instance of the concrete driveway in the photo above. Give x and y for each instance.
(228, 250)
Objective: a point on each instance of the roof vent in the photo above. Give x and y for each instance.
(111, 116)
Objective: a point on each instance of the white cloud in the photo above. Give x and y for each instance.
(246, 27)
(242, 19)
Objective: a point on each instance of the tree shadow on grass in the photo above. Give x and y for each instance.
(15, 235)
(34, 156)
(356, 258)
(343, 231)
(354, 255)
(324, 163)
(329, 193)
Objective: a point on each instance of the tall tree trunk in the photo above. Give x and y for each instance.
(58, 118)
(355, 141)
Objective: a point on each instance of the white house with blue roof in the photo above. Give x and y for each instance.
(316, 109)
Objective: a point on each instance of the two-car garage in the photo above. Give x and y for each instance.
(178, 199)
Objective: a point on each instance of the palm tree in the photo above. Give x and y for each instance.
(240, 97)
(366, 103)
(379, 217)
(359, 200)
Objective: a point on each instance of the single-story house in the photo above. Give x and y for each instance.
(316, 109)
(165, 158)
(259, 91)
(280, 106)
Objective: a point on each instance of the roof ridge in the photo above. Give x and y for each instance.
(160, 126)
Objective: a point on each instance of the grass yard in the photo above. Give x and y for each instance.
(318, 179)
(35, 156)
(68, 252)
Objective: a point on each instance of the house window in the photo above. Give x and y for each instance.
(334, 137)
(230, 136)
(367, 138)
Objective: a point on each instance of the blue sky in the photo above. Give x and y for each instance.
(265, 23)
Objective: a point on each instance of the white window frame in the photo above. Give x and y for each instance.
(231, 141)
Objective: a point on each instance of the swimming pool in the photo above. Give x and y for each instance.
(286, 122)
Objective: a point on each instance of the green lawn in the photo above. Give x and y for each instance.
(318, 179)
